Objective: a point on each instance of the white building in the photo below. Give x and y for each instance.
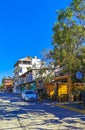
(22, 66)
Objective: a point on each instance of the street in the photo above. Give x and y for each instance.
(16, 114)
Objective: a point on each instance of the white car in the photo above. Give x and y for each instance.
(29, 95)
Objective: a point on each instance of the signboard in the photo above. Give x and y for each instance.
(8, 82)
(79, 75)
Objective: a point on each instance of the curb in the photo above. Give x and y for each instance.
(70, 108)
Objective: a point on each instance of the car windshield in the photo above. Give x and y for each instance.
(29, 92)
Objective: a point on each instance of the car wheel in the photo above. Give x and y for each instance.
(24, 99)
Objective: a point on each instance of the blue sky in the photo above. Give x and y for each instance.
(25, 29)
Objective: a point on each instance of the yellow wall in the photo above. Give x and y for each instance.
(50, 89)
(62, 89)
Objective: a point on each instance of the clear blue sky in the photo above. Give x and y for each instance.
(25, 29)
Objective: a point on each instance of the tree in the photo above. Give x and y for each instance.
(69, 37)
(2, 83)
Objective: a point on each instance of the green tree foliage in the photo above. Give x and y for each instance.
(69, 38)
(46, 71)
(2, 83)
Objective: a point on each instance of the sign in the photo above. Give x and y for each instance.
(79, 75)
(8, 82)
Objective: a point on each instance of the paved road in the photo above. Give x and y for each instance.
(18, 115)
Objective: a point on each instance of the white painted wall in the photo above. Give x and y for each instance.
(36, 63)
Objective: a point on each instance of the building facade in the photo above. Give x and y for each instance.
(8, 84)
(21, 67)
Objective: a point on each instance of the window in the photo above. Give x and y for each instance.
(20, 71)
(27, 62)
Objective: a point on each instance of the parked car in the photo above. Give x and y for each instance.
(29, 95)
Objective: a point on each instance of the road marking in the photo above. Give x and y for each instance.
(70, 108)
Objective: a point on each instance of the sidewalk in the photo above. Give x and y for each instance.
(74, 106)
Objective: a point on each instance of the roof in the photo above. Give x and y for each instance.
(23, 59)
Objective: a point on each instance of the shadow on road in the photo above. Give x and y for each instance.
(36, 114)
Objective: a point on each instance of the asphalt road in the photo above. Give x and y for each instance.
(18, 115)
